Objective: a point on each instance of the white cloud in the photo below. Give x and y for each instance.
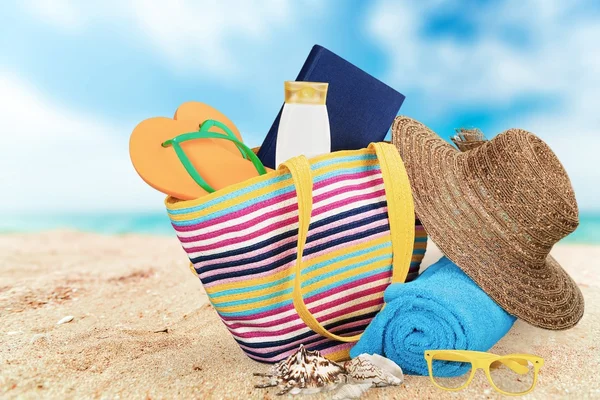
(559, 61)
(489, 68)
(197, 33)
(62, 13)
(59, 160)
(186, 34)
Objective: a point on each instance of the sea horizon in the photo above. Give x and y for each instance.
(157, 223)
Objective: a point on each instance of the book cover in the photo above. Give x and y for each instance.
(361, 108)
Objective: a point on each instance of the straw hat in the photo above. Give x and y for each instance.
(496, 210)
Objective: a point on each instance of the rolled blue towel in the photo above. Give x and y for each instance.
(442, 309)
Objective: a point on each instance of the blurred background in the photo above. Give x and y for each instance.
(76, 77)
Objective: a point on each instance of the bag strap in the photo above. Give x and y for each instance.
(401, 220)
(401, 210)
(247, 152)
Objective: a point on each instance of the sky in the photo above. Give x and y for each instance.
(76, 77)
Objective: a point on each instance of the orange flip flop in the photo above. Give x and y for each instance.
(200, 112)
(181, 160)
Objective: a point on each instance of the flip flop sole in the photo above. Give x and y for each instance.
(161, 168)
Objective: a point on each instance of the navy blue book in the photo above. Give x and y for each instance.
(361, 108)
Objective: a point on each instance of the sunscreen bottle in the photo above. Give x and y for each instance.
(304, 123)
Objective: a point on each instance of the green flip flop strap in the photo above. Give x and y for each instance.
(204, 134)
(209, 123)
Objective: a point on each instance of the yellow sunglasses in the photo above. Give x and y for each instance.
(512, 375)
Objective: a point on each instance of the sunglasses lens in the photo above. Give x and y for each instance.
(512, 375)
(450, 374)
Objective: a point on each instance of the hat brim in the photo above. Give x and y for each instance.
(455, 218)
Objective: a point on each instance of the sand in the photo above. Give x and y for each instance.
(143, 328)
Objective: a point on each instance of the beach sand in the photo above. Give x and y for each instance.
(143, 328)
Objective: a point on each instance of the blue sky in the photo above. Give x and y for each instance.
(76, 77)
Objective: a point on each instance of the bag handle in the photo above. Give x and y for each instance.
(401, 220)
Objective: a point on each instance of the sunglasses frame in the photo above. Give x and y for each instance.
(483, 360)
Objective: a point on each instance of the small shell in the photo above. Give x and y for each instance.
(374, 369)
(37, 337)
(66, 319)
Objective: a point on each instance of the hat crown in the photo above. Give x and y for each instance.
(530, 192)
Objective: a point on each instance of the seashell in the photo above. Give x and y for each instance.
(66, 319)
(304, 372)
(39, 336)
(374, 369)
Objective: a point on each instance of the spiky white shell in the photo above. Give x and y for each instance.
(306, 372)
(310, 369)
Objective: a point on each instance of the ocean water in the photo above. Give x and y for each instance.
(158, 224)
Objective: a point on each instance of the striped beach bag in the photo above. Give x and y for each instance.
(302, 255)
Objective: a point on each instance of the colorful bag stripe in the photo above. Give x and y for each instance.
(242, 241)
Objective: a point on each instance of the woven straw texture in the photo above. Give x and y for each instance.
(496, 210)
(242, 242)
